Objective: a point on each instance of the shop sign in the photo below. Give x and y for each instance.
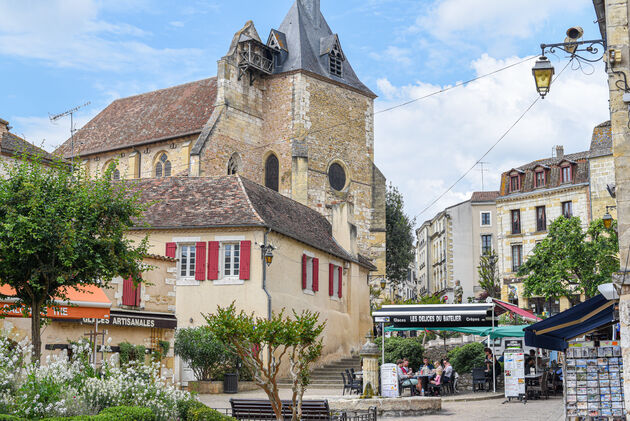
(125, 319)
(441, 320)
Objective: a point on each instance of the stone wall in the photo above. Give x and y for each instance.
(602, 171)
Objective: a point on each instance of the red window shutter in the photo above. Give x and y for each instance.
(129, 293)
(213, 260)
(315, 274)
(200, 261)
(137, 293)
(171, 250)
(304, 261)
(246, 251)
(331, 279)
(340, 279)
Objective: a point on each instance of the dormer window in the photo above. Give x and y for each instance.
(335, 58)
(567, 173)
(540, 176)
(515, 182)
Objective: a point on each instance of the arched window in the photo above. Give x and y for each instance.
(234, 164)
(115, 174)
(337, 176)
(272, 172)
(163, 167)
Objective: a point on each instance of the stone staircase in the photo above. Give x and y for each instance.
(328, 376)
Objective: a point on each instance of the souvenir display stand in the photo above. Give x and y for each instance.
(593, 382)
(389, 381)
(514, 372)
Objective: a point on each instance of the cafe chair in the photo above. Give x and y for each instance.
(479, 379)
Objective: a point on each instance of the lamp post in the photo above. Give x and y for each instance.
(607, 218)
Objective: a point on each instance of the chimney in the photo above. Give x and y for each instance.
(4, 126)
(312, 9)
(559, 151)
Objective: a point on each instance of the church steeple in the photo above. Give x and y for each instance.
(311, 45)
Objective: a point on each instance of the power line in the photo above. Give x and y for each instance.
(491, 148)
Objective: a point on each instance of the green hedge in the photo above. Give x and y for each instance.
(117, 413)
(207, 414)
(399, 348)
(184, 408)
(465, 358)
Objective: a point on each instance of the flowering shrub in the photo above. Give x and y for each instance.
(66, 387)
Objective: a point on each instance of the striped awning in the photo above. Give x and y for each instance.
(554, 332)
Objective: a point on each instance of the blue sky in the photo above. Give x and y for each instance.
(55, 55)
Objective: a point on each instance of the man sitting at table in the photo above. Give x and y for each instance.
(426, 366)
(405, 367)
(405, 379)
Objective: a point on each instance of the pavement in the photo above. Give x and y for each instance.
(462, 406)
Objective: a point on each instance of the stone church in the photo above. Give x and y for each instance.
(288, 113)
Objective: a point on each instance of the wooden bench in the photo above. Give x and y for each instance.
(260, 409)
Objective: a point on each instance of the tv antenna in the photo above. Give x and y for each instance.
(482, 170)
(70, 112)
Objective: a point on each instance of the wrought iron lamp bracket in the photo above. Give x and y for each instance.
(590, 47)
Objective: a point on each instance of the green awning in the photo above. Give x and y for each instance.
(497, 332)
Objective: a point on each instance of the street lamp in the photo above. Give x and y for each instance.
(543, 73)
(383, 283)
(268, 255)
(608, 219)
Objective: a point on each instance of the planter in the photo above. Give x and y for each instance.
(216, 387)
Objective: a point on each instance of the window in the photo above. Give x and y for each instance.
(567, 209)
(163, 167)
(337, 177)
(539, 306)
(231, 259)
(485, 219)
(187, 257)
(234, 164)
(515, 183)
(516, 221)
(566, 174)
(131, 293)
(517, 257)
(116, 175)
(486, 244)
(540, 178)
(271, 172)
(335, 60)
(310, 273)
(541, 219)
(335, 279)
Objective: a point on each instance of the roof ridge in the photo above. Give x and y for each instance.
(249, 202)
(162, 89)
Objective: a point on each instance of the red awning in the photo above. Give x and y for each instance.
(503, 307)
(87, 302)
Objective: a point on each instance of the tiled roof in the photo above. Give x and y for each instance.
(11, 144)
(601, 142)
(484, 196)
(141, 119)
(232, 201)
(578, 156)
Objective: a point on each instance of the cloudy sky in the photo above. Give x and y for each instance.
(57, 54)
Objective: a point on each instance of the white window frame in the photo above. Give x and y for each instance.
(309, 273)
(180, 249)
(222, 249)
(481, 218)
(337, 265)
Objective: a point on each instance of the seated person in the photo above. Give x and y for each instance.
(427, 367)
(530, 361)
(405, 379)
(448, 369)
(405, 367)
(437, 380)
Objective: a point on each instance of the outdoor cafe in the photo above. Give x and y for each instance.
(473, 319)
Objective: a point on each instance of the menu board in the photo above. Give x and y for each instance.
(594, 382)
(514, 371)
(389, 381)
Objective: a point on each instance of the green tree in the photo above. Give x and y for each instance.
(206, 355)
(570, 261)
(263, 344)
(60, 230)
(489, 274)
(399, 250)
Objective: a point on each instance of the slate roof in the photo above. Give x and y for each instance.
(233, 201)
(484, 196)
(601, 142)
(11, 144)
(307, 36)
(141, 119)
(578, 156)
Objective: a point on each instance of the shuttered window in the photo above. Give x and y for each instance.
(213, 260)
(246, 250)
(200, 266)
(335, 280)
(131, 293)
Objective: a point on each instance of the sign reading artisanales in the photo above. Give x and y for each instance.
(136, 319)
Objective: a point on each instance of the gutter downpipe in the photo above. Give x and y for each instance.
(263, 249)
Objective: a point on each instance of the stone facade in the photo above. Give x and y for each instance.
(449, 246)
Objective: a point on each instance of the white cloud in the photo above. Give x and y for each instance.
(46, 134)
(424, 147)
(71, 34)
